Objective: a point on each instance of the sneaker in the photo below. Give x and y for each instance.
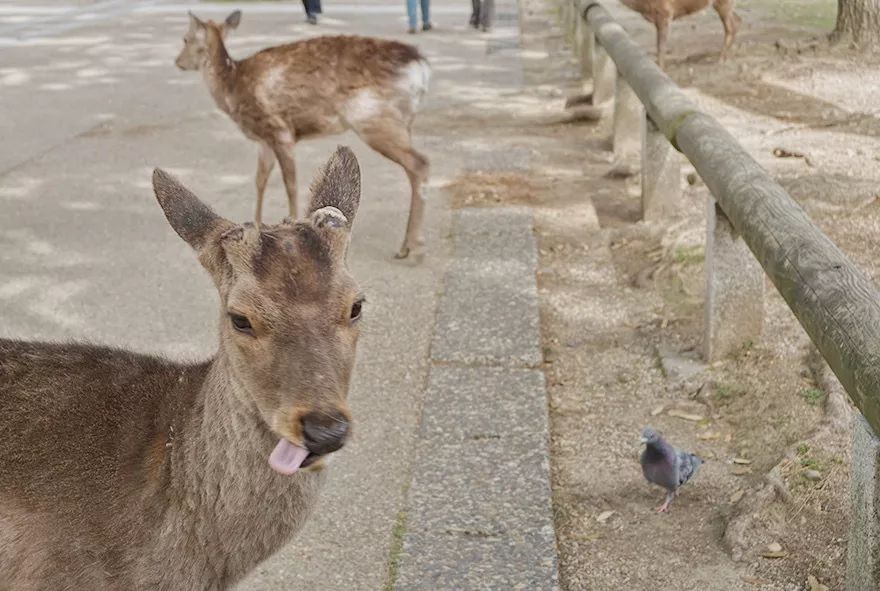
(312, 19)
(427, 27)
(411, 30)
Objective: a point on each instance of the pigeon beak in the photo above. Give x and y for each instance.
(643, 440)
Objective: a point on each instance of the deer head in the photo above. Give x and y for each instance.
(202, 38)
(289, 310)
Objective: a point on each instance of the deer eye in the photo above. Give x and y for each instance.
(241, 323)
(356, 310)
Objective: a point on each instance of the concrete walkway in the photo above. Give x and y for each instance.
(93, 103)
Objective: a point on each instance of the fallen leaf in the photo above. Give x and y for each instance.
(774, 547)
(657, 411)
(815, 585)
(742, 461)
(774, 554)
(812, 475)
(604, 516)
(735, 497)
(741, 470)
(684, 415)
(709, 435)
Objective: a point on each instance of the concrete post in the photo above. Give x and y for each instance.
(584, 41)
(604, 76)
(734, 289)
(863, 548)
(661, 175)
(628, 115)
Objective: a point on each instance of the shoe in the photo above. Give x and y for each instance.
(312, 19)
(411, 30)
(427, 27)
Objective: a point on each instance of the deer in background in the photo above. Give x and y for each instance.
(126, 471)
(663, 12)
(313, 88)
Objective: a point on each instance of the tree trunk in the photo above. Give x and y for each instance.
(858, 23)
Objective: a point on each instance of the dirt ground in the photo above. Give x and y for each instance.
(622, 313)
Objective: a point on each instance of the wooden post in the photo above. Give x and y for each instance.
(734, 289)
(863, 548)
(661, 175)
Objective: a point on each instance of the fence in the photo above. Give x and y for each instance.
(753, 224)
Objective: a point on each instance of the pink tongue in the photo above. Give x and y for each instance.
(286, 458)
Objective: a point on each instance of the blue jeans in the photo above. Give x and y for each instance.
(411, 12)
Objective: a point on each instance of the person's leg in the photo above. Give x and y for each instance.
(411, 13)
(475, 15)
(426, 14)
(487, 14)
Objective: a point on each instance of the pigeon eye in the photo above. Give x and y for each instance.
(241, 323)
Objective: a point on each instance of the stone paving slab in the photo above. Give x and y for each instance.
(479, 513)
(489, 314)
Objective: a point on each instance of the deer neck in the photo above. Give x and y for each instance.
(220, 474)
(219, 72)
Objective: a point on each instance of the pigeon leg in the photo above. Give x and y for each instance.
(665, 506)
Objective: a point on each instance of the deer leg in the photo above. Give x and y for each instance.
(284, 152)
(265, 164)
(395, 144)
(730, 20)
(662, 24)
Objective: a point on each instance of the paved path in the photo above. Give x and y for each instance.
(96, 103)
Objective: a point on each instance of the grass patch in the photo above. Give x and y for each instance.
(397, 533)
(813, 396)
(729, 391)
(690, 255)
(809, 13)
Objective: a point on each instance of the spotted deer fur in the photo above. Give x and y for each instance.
(663, 12)
(121, 471)
(313, 88)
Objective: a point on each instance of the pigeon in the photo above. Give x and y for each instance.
(666, 466)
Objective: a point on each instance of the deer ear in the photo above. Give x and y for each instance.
(338, 185)
(195, 23)
(193, 221)
(233, 20)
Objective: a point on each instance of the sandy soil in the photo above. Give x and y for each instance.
(622, 314)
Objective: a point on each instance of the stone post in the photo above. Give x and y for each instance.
(734, 289)
(661, 175)
(628, 115)
(604, 76)
(863, 548)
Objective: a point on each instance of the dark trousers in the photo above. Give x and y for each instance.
(312, 6)
(483, 13)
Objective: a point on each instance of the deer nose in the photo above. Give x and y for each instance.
(324, 432)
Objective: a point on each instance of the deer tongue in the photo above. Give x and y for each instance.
(286, 458)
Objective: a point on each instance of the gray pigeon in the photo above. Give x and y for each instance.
(665, 465)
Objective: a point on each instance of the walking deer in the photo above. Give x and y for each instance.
(312, 88)
(126, 471)
(663, 12)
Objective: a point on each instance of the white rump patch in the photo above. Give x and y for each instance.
(414, 80)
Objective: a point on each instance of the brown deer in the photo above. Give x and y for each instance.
(312, 88)
(663, 12)
(121, 471)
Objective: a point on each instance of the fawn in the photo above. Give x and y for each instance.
(663, 12)
(127, 471)
(312, 88)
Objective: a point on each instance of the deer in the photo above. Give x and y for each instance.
(312, 88)
(663, 12)
(128, 471)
